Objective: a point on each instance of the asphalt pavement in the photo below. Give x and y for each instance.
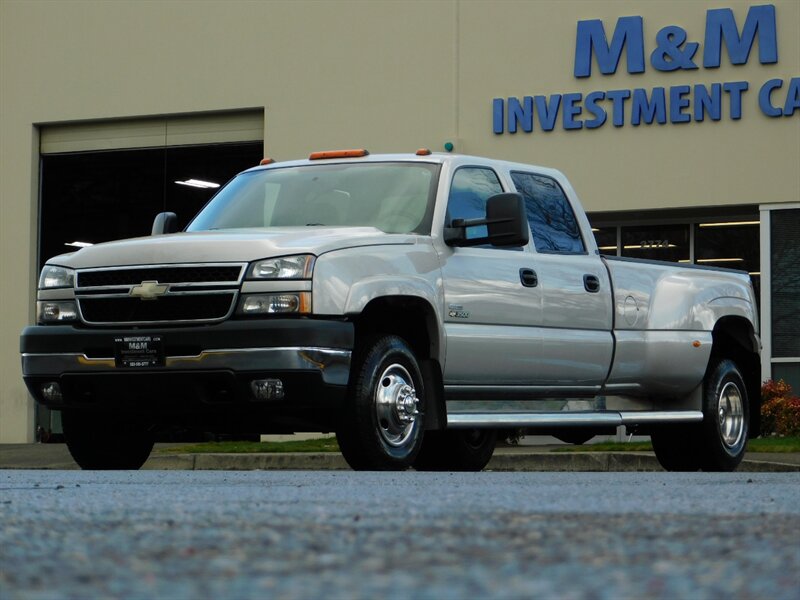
(506, 458)
(176, 535)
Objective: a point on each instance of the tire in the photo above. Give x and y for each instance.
(726, 418)
(456, 450)
(97, 442)
(676, 447)
(574, 436)
(718, 443)
(381, 427)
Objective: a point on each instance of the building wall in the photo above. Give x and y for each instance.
(385, 75)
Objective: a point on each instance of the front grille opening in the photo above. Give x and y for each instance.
(195, 274)
(207, 307)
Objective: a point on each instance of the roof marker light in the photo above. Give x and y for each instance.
(355, 153)
(266, 161)
(199, 183)
(423, 152)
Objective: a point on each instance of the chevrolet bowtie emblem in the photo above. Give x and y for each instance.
(149, 290)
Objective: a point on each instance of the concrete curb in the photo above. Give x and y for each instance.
(506, 458)
(517, 461)
(292, 461)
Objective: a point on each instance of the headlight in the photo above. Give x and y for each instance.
(272, 304)
(56, 277)
(285, 267)
(61, 311)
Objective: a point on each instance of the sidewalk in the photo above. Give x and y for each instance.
(510, 458)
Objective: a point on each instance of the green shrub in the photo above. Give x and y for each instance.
(780, 410)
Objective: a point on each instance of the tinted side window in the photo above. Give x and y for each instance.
(470, 189)
(553, 224)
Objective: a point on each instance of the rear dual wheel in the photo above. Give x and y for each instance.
(718, 443)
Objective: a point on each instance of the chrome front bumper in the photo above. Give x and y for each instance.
(333, 364)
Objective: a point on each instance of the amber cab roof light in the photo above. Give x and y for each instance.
(267, 161)
(423, 152)
(355, 153)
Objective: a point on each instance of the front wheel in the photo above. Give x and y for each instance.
(381, 427)
(100, 442)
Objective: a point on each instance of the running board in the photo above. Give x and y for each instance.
(571, 419)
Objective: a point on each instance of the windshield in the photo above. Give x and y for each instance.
(394, 197)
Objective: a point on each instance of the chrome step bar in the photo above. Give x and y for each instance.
(571, 419)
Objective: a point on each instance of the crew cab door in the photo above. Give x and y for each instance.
(493, 307)
(577, 299)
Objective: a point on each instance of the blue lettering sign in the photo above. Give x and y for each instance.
(520, 113)
(791, 104)
(792, 98)
(591, 39)
(618, 97)
(721, 27)
(649, 109)
(572, 110)
(673, 51)
(547, 111)
(708, 103)
(668, 55)
(735, 89)
(677, 102)
(597, 111)
(764, 100)
(497, 115)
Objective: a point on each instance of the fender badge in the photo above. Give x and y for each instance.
(457, 312)
(149, 290)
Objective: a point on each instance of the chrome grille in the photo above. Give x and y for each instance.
(158, 294)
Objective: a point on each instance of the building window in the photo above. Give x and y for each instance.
(729, 244)
(657, 242)
(606, 238)
(699, 237)
(785, 297)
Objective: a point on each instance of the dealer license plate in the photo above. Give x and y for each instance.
(139, 351)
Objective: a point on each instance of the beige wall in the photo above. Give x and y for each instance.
(389, 76)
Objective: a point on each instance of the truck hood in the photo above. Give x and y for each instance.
(231, 245)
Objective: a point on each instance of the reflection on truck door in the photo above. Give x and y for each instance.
(491, 319)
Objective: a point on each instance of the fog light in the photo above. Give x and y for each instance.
(267, 389)
(54, 312)
(51, 392)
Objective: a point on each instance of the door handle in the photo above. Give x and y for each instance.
(528, 277)
(591, 283)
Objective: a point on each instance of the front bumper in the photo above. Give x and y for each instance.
(212, 364)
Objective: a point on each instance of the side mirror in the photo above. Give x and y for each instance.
(165, 222)
(505, 221)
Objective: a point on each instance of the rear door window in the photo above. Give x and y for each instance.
(553, 224)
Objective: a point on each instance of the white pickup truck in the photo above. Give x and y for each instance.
(415, 304)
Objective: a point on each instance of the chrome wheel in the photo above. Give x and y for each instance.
(730, 411)
(381, 426)
(396, 406)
